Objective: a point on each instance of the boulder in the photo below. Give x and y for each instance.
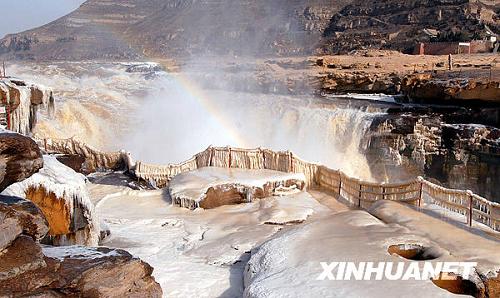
(18, 216)
(211, 187)
(83, 272)
(62, 196)
(23, 256)
(20, 158)
(29, 269)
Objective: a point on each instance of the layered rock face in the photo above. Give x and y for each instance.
(424, 88)
(458, 155)
(396, 24)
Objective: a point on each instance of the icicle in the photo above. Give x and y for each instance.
(66, 185)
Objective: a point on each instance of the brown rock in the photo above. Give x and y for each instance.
(69, 222)
(18, 216)
(78, 271)
(22, 256)
(20, 158)
(27, 269)
(36, 96)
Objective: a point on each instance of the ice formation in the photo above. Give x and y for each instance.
(94, 159)
(192, 189)
(68, 188)
(22, 101)
(198, 253)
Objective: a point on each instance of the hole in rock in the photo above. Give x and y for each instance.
(414, 252)
(456, 284)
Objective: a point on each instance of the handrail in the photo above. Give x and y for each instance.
(356, 192)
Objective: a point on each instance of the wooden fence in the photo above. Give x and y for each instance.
(353, 191)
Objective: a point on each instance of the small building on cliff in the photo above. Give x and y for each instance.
(445, 48)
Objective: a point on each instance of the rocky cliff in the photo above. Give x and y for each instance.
(131, 29)
(434, 144)
(396, 24)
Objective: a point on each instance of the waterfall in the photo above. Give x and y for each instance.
(164, 118)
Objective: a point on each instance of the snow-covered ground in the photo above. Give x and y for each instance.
(203, 253)
(199, 253)
(289, 264)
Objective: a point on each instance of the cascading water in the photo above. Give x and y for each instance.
(167, 118)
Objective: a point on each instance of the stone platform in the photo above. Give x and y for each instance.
(212, 187)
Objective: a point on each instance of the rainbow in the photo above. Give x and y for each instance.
(206, 103)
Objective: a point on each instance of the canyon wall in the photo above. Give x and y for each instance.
(457, 155)
(132, 29)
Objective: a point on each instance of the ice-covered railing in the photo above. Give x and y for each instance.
(355, 192)
(94, 159)
(231, 158)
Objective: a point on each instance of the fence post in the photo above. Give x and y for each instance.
(471, 207)
(420, 180)
(359, 195)
(211, 156)
(340, 183)
(263, 158)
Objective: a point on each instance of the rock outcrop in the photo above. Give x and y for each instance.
(360, 82)
(20, 158)
(62, 196)
(425, 88)
(59, 207)
(29, 269)
(211, 187)
(22, 101)
(18, 217)
(457, 155)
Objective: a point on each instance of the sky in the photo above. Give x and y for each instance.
(20, 15)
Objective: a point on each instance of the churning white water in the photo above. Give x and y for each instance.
(165, 118)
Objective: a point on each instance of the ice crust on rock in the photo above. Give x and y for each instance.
(190, 188)
(66, 185)
(23, 115)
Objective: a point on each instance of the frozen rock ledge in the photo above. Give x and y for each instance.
(212, 187)
(62, 195)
